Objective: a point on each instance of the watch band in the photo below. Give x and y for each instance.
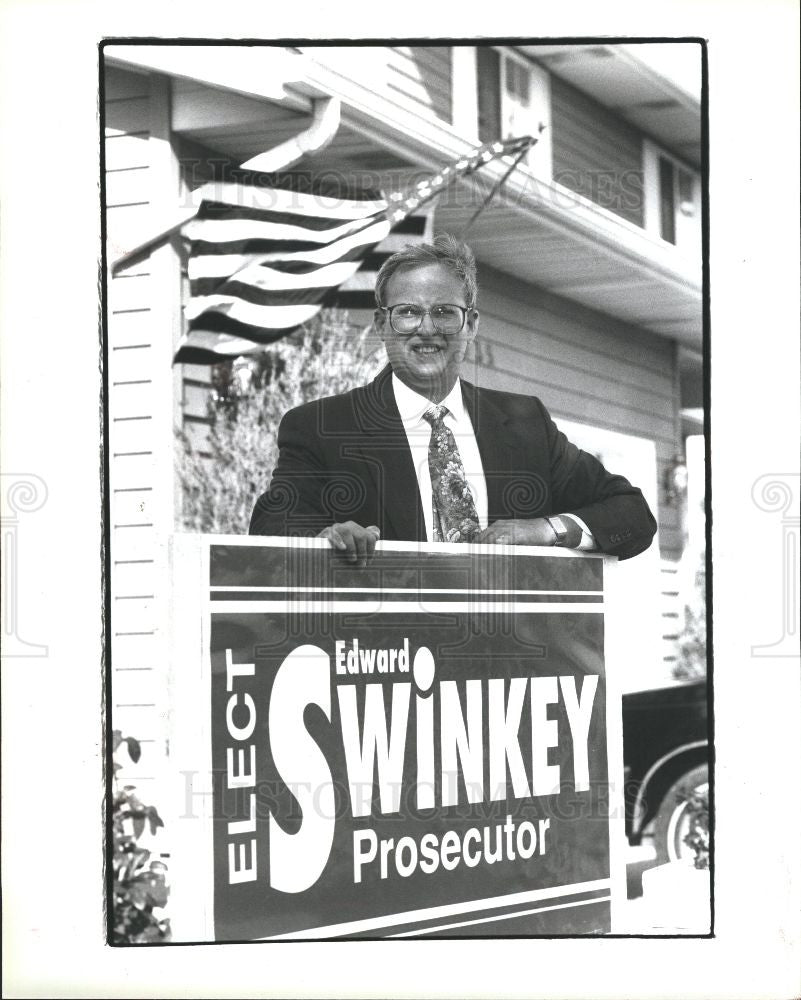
(559, 529)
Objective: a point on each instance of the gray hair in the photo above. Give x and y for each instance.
(445, 249)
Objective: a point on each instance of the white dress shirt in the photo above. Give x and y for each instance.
(412, 406)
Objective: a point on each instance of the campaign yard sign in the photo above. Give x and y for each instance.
(423, 746)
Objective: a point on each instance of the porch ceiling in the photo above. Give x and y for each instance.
(241, 127)
(524, 245)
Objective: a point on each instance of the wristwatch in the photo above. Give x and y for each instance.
(559, 529)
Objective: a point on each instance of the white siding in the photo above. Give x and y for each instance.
(139, 386)
(418, 78)
(672, 611)
(584, 366)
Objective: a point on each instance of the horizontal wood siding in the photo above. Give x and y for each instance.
(672, 612)
(417, 78)
(423, 76)
(595, 153)
(138, 669)
(584, 366)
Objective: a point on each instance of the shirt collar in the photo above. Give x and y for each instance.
(412, 405)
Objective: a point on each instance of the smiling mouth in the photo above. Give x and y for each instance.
(426, 349)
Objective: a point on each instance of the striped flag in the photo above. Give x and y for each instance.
(357, 293)
(263, 261)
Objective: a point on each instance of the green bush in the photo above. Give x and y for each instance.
(220, 484)
(691, 662)
(140, 884)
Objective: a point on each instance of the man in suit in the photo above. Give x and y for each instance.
(420, 454)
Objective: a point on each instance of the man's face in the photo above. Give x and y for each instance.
(427, 361)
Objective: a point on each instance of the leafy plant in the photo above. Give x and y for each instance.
(221, 482)
(140, 884)
(697, 838)
(691, 662)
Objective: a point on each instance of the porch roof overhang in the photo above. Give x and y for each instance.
(547, 235)
(622, 78)
(540, 233)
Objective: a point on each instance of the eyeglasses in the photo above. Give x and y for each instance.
(405, 318)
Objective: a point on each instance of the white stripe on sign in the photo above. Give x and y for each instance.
(502, 916)
(401, 590)
(428, 549)
(301, 606)
(448, 910)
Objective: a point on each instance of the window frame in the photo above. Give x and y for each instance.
(686, 224)
(540, 160)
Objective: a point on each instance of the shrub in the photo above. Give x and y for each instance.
(691, 662)
(220, 484)
(140, 885)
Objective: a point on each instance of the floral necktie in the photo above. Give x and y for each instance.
(455, 517)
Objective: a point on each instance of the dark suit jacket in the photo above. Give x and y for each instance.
(347, 458)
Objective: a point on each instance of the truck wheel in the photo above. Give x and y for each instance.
(671, 824)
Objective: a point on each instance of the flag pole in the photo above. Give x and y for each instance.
(529, 141)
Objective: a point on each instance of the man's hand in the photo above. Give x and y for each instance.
(535, 531)
(355, 543)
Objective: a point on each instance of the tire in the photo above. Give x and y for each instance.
(671, 824)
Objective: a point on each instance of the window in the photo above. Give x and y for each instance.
(513, 100)
(676, 197)
(488, 69)
(686, 193)
(517, 98)
(667, 200)
(672, 199)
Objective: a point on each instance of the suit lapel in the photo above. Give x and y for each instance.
(385, 450)
(502, 454)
